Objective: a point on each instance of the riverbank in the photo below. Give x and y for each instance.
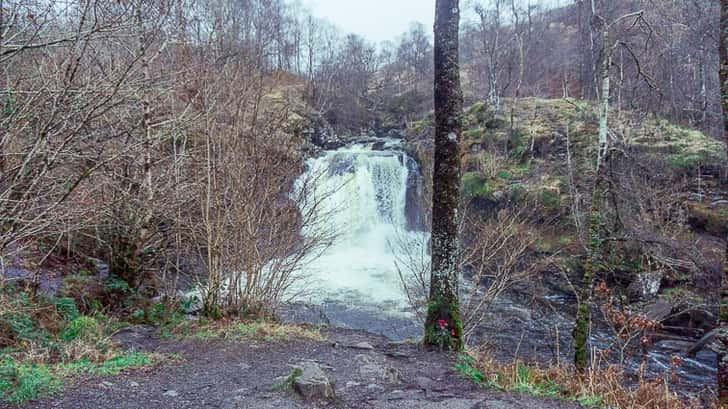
(225, 371)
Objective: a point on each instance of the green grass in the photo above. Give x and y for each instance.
(48, 340)
(521, 378)
(21, 382)
(83, 327)
(467, 370)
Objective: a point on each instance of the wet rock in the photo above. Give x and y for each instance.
(342, 164)
(689, 318)
(313, 383)
(413, 204)
(659, 310)
(379, 145)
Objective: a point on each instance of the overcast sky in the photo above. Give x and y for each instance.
(377, 20)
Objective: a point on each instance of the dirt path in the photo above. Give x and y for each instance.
(369, 372)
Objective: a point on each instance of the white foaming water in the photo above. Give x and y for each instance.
(365, 194)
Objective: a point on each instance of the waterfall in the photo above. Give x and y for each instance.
(365, 203)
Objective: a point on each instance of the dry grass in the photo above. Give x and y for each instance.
(601, 386)
(251, 330)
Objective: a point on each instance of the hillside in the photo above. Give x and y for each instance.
(536, 158)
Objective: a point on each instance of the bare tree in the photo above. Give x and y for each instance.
(722, 362)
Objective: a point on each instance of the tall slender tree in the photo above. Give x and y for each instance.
(443, 327)
(723, 313)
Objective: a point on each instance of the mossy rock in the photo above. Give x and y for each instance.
(713, 220)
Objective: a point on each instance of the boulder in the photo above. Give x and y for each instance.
(313, 383)
(645, 287)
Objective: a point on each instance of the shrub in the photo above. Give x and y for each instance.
(83, 327)
(550, 199)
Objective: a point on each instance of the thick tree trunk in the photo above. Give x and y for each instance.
(722, 335)
(443, 327)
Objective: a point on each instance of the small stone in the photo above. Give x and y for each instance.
(133, 384)
(364, 345)
(171, 393)
(106, 384)
(391, 375)
(375, 387)
(352, 384)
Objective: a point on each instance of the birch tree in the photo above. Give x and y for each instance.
(599, 191)
(443, 327)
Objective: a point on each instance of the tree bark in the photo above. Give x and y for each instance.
(443, 327)
(593, 260)
(722, 335)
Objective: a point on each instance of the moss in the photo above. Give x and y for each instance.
(474, 134)
(444, 327)
(550, 199)
(518, 193)
(713, 220)
(476, 185)
(495, 123)
(504, 174)
(477, 113)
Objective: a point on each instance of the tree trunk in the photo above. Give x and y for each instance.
(722, 335)
(594, 245)
(604, 97)
(443, 327)
(593, 259)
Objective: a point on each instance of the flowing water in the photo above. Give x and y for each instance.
(365, 193)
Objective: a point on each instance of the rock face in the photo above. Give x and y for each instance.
(645, 287)
(413, 206)
(313, 383)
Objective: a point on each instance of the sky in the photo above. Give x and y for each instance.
(377, 20)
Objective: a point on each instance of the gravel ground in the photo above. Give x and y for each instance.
(368, 372)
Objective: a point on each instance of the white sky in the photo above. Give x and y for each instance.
(377, 20)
